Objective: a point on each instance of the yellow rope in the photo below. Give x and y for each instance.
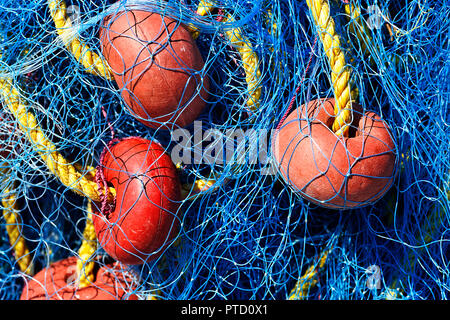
(93, 63)
(358, 27)
(198, 186)
(272, 27)
(14, 230)
(340, 73)
(204, 8)
(250, 60)
(250, 63)
(56, 163)
(308, 280)
(87, 249)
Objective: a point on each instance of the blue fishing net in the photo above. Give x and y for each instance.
(248, 236)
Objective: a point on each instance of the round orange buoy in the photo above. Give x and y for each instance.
(58, 282)
(156, 65)
(331, 171)
(143, 219)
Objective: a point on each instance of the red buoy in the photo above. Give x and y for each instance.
(143, 218)
(58, 282)
(331, 171)
(156, 65)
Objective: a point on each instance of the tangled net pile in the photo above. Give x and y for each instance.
(244, 234)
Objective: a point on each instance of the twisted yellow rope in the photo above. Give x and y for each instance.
(56, 163)
(93, 63)
(87, 249)
(340, 73)
(358, 27)
(14, 230)
(250, 60)
(204, 7)
(197, 187)
(308, 280)
(272, 27)
(250, 63)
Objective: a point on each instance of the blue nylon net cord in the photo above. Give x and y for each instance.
(250, 237)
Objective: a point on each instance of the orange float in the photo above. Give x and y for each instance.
(58, 282)
(156, 64)
(331, 171)
(144, 216)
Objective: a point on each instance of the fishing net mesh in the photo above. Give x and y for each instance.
(247, 235)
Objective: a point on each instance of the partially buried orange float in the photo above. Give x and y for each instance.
(157, 66)
(329, 170)
(143, 220)
(58, 282)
